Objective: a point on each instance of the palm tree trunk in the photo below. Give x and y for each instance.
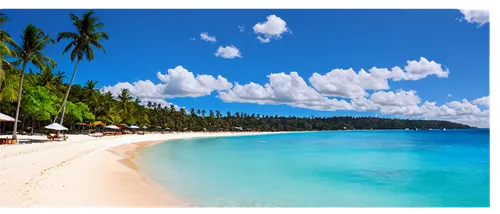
(32, 125)
(14, 131)
(67, 92)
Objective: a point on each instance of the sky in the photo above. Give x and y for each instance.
(425, 64)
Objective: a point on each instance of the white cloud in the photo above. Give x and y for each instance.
(178, 82)
(349, 84)
(182, 83)
(192, 39)
(228, 52)
(292, 90)
(456, 111)
(282, 88)
(363, 104)
(423, 68)
(480, 17)
(204, 36)
(273, 28)
(449, 95)
(241, 27)
(145, 90)
(400, 98)
(483, 101)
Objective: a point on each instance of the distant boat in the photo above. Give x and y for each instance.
(407, 129)
(262, 141)
(444, 129)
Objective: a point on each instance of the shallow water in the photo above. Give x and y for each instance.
(327, 169)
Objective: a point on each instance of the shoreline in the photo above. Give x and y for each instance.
(101, 170)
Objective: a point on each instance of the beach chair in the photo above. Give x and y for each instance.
(4, 140)
(58, 137)
(51, 137)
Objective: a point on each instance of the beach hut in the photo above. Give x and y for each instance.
(112, 127)
(57, 127)
(6, 118)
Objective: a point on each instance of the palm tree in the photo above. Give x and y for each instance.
(90, 86)
(125, 96)
(5, 51)
(83, 41)
(34, 42)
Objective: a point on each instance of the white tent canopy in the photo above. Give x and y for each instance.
(56, 126)
(112, 127)
(7, 118)
(134, 127)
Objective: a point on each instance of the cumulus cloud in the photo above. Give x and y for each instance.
(282, 88)
(291, 89)
(228, 52)
(177, 82)
(192, 39)
(204, 36)
(145, 90)
(456, 111)
(421, 69)
(400, 98)
(483, 101)
(363, 104)
(349, 84)
(273, 28)
(479, 17)
(449, 95)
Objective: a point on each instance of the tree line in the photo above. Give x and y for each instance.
(38, 96)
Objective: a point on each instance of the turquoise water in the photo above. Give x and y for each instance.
(327, 169)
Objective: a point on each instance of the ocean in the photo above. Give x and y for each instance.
(386, 168)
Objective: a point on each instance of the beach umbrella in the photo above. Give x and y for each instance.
(158, 127)
(56, 126)
(112, 127)
(97, 123)
(123, 125)
(7, 118)
(134, 127)
(144, 127)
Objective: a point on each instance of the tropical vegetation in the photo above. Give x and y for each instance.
(37, 96)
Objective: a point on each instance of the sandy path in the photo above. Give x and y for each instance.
(83, 171)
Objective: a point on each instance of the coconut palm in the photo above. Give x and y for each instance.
(34, 41)
(5, 51)
(87, 37)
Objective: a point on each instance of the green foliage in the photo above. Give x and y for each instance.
(41, 104)
(78, 112)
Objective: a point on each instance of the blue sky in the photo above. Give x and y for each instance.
(144, 42)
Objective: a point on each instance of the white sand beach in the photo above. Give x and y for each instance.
(83, 171)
